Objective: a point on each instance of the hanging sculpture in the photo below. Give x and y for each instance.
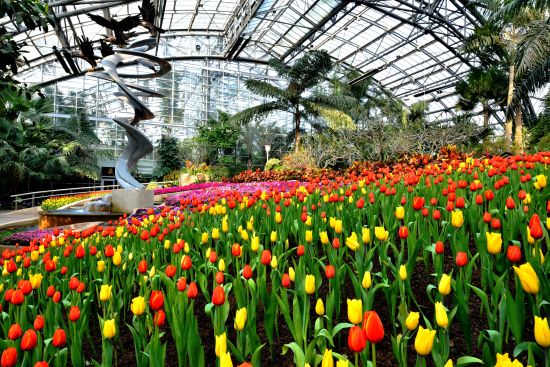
(111, 59)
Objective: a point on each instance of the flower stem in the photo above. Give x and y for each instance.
(373, 355)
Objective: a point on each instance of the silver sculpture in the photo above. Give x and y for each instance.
(138, 144)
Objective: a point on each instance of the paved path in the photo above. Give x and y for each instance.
(23, 217)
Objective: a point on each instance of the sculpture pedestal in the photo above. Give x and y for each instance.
(126, 201)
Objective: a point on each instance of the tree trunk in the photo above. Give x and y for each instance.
(297, 127)
(486, 111)
(509, 123)
(518, 134)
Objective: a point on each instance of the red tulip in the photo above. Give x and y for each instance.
(29, 340)
(300, 250)
(109, 251)
(460, 203)
(510, 204)
(181, 284)
(285, 281)
(41, 364)
(159, 318)
(9, 357)
(461, 259)
(218, 296)
(39, 322)
(56, 297)
(479, 199)
(59, 338)
(186, 262)
(219, 277)
(247, 272)
(17, 297)
(213, 257)
(486, 217)
(170, 271)
(81, 287)
(336, 243)
(73, 283)
(156, 300)
(356, 339)
(12, 267)
(439, 248)
(266, 257)
(25, 286)
(74, 313)
(50, 266)
(436, 214)
(64, 269)
(236, 250)
(192, 290)
(418, 203)
(522, 194)
(403, 232)
(535, 227)
(142, 267)
(330, 271)
(14, 332)
(495, 223)
(489, 195)
(513, 253)
(372, 326)
(80, 252)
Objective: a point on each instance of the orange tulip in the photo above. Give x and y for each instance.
(218, 296)
(356, 339)
(372, 326)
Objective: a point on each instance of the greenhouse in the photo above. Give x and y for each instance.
(275, 182)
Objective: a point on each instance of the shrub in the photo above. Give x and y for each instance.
(299, 160)
(272, 164)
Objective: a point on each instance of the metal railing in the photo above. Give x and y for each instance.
(37, 195)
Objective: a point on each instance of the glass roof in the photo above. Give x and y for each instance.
(411, 48)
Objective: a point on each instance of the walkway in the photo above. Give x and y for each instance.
(23, 217)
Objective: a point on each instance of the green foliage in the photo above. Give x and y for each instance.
(169, 156)
(272, 164)
(218, 172)
(300, 159)
(219, 136)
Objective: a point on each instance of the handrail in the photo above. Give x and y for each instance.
(32, 195)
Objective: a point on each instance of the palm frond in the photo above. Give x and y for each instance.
(342, 102)
(534, 78)
(279, 67)
(258, 112)
(310, 69)
(265, 89)
(535, 47)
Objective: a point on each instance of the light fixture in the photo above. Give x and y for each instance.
(267, 150)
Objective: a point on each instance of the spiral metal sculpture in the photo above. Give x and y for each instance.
(138, 144)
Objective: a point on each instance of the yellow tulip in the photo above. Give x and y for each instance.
(403, 273)
(117, 259)
(504, 361)
(412, 320)
(494, 242)
(255, 243)
(457, 218)
(138, 306)
(109, 328)
(542, 332)
(36, 280)
(540, 182)
(366, 235)
(152, 271)
(338, 226)
(167, 244)
(34, 256)
(273, 236)
(548, 223)
(424, 341)
(400, 212)
(278, 218)
(323, 236)
(105, 292)
(310, 284)
(291, 273)
(225, 225)
(240, 318)
(367, 280)
(309, 236)
(380, 233)
(530, 238)
(221, 265)
(215, 234)
(342, 363)
(119, 249)
(244, 235)
(319, 307)
(441, 315)
(355, 310)
(528, 278)
(225, 360)
(527, 199)
(445, 285)
(221, 344)
(204, 237)
(352, 242)
(449, 363)
(274, 262)
(327, 359)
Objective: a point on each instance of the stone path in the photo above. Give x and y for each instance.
(23, 217)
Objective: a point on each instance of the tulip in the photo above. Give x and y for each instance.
(327, 361)
(100, 266)
(310, 284)
(204, 237)
(403, 232)
(441, 315)
(494, 242)
(513, 253)
(215, 233)
(372, 326)
(528, 278)
(540, 182)
(323, 237)
(355, 310)
(14, 332)
(59, 339)
(17, 297)
(117, 259)
(445, 285)
(380, 233)
(192, 290)
(266, 257)
(240, 318)
(366, 283)
(105, 292)
(356, 339)
(412, 320)
(221, 265)
(274, 262)
(225, 360)
(400, 212)
(403, 273)
(156, 300)
(138, 305)
(36, 280)
(461, 259)
(449, 363)
(457, 218)
(530, 239)
(439, 247)
(186, 262)
(365, 234)
(542, 332)
(535, 227)
(338, 226)
(285, 280)
(330, 271)
(343, 363)
(255, 243)
(309, 236)
(319, 307)
(218, 296)
(9, 357)
(39, 322)
(109, 329)
(424, 341)
(352, 242)
(74, 313)
(221, 344)
(273, 236)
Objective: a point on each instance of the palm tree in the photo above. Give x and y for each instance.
(299, 97)
(484, 86)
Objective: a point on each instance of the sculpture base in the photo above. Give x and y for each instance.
(127, 201)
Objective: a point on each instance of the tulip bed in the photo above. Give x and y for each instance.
(442, 264)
